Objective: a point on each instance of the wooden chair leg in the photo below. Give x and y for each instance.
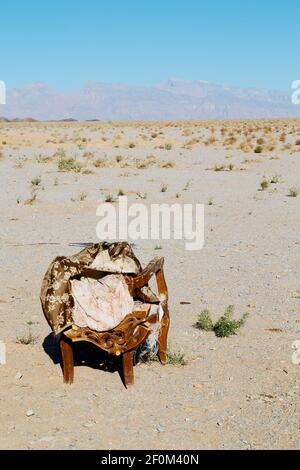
(165, 322)
(127, 359)
(67, 357)
(163, 340)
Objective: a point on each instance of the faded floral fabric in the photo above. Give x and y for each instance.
(101, 304)
(95, 261)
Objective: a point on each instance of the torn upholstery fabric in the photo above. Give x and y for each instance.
(101, 304)
(72, 284)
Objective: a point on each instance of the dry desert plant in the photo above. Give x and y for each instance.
(293, 191)
(65, 163)
(27, 338)
(264, 184)
(36, 181)
(258, 149)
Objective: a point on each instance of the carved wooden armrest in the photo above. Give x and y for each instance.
(141, 280)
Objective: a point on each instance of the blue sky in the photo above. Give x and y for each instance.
(66, 43)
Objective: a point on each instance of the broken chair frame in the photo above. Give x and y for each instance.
(130, 333)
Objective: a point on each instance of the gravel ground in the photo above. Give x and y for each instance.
(240, 392)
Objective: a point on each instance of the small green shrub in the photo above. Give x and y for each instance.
(294, 191)
(225, 326)
(264, 184)
(36, 181)
(176, 358)
(65, 163)
(204, 321)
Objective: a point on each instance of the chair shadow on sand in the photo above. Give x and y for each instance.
(85, 354)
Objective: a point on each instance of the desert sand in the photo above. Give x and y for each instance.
(240, 392)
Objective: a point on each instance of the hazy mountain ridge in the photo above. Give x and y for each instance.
(172, 99)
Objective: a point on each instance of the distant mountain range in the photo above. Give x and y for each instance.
(172, 99)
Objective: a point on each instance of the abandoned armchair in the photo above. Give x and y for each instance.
(101, 295)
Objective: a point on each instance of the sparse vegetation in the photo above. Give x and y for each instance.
(275, 179)
(27, 338)
(109, 198)
(293, 191)
(187, 186)
(258, 149)
(36, 181)
(219, 167)
(264, 184)
(42, 159)
(99, 163)
(204, 321)
(176, 358)
(65, 163)
(20, 163)
(225, 326)
(82, 196)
